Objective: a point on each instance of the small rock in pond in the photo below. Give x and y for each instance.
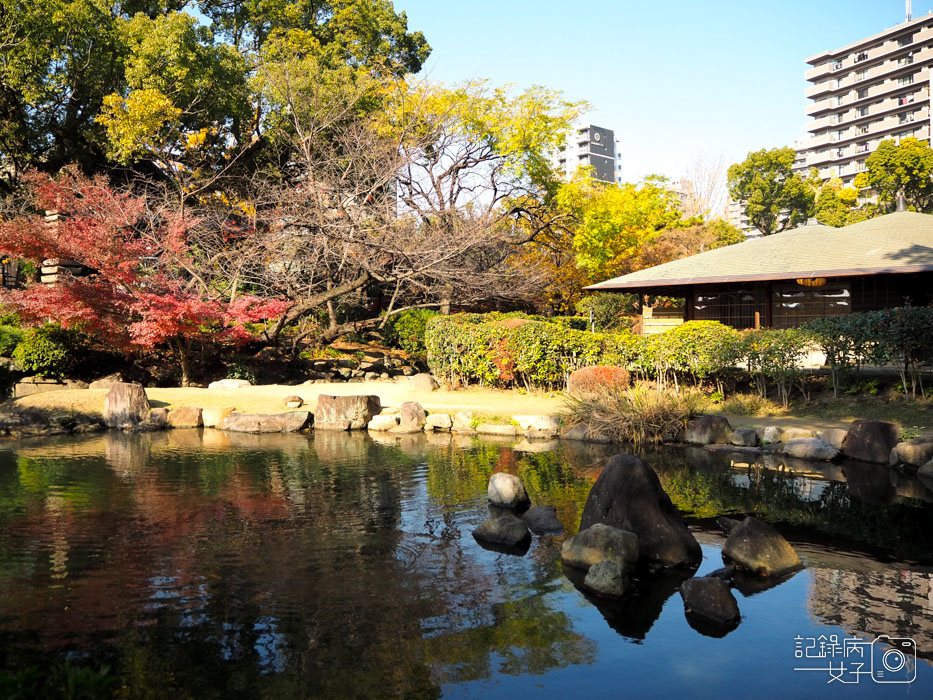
(438, 421)
(543, 520)
(757, 547)
(708, 430)
(506, 529)
(600, 543)
(507, 490)
(607, 579)
(810, 448)
(744, 437)
(914, 453)
(710, 599)
(412, 418)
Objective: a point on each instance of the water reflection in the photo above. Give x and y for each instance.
(342, 565)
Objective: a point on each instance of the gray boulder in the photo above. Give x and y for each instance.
(870, 441)
(795, 434)
(708, 430)
(438, 422)
(290, 422)
(353, 412)
(771, 434)
(915, 453)
(293, 401)
(125, 405)
(185, 417)
(744, 437)
(411, 418)
(382, 423)
(926, 471)
(229, 384)
(505, 529)
(833, 436)
(463, 423)
(581, 432)
(600, 543)
(422, 382)
(106, 382)
(757, 547)
(629, 496)
(546, 424)
(810, 448)
(607, 579)
(710, 599)
(543, 520)
(507, 490)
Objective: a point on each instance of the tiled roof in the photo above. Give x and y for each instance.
(895, 243)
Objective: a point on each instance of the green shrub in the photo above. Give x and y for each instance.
(47, 350)
(405, 330)
(506, 350)
(776, 355)
(10, 337)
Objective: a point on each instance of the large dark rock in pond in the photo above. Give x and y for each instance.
(125, 405)
(628, 495)
(290, 422)
(607, 579)
(709, 600)
(757, 547)
(870, 483)
(870, 441)
(598, 543)
(345, 412)
(507, 490)
(503, 529)
(543, 520)
(708, 430)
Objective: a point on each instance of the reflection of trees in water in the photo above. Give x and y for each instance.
(257, 571)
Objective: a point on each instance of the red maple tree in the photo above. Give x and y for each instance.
(140, 293)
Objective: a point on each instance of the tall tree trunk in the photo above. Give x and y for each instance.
(181, 346)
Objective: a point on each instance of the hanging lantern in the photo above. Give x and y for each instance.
(811, 281)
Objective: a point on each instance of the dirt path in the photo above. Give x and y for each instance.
(269, 398)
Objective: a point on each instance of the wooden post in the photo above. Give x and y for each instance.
(757, 320)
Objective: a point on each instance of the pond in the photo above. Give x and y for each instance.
(185, 564)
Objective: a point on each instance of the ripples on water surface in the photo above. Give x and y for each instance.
(339, 566)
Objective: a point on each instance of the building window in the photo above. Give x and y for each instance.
(861, 56)
(905, 60)
(906, 80)
(794, 305)
(863, 93)
(839, 135)
(906, 40)
(862, 129)
(840, 153)
(861, 74)
(843, 168)
(735, 307)
(863, 111)
(861, 147)
(906, 99)
(840, 100)
(860, 164)
(837, 65)
(906, 117)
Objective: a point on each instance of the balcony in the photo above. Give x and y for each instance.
(878, 52)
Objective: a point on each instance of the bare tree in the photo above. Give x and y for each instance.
(704, 186)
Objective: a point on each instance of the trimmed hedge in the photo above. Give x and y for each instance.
(507, 349)
(406, 329)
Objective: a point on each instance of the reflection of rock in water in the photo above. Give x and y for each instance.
(635, 614)
(128, 453)
(341, 445)
(749, 584)
(870, 483)
(890, 601)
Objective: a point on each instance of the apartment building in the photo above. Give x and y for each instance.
(593, 146)
(873, 89)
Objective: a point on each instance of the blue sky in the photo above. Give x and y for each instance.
(673, 79)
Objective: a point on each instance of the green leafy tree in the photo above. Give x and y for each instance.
(836, 205)
(775, 197)
(614, 222)
(903, 169)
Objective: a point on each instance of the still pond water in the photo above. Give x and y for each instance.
(342, 566)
